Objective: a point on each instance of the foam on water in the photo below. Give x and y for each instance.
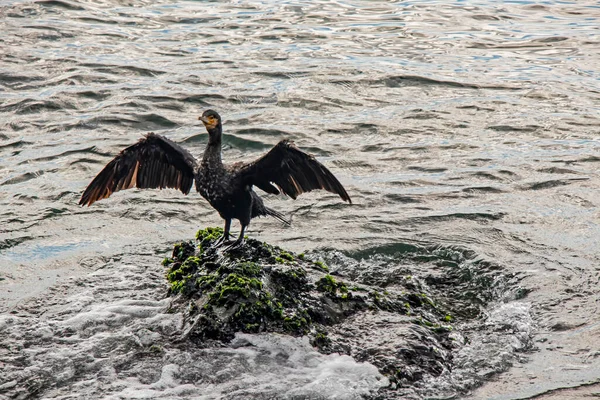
(268, 366)
(494, 346)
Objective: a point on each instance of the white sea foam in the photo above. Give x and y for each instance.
(268, 366)
(509, 328)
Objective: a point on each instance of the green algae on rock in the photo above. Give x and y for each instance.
(257, 288)
(263, 288)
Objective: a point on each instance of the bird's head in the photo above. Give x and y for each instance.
(211, 120)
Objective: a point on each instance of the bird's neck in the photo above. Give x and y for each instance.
(212, 153)
(214, 135)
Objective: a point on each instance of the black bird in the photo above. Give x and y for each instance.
(157, 162)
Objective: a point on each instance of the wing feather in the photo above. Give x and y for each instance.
(292, 171)
(153, 162)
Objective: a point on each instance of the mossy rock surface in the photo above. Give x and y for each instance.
(263, 288)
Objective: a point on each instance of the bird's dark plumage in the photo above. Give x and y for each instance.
(153, 162)
(292, 170)
(157, 162)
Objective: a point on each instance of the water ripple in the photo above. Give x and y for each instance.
(463, 125)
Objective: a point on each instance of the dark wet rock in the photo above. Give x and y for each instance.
(386, 319)
(470, 301)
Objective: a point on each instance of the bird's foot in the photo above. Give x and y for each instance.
(238, 243)
(220, 242)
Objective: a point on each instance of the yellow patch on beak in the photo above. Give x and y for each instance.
(209, 122)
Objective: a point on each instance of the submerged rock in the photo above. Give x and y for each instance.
(263, 288)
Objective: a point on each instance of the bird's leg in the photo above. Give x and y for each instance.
(225, 236)
(239, 241)
(244, 222)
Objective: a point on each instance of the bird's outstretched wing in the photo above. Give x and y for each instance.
(292, 171)
(153, 162)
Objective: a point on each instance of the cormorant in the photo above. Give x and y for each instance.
(157, 162)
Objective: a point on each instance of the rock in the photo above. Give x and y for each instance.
(263, 288)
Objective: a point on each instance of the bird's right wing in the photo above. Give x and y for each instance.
(153, 162)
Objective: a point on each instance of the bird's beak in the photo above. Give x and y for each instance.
(201, 118)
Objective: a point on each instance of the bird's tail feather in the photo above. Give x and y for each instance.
(278, 215)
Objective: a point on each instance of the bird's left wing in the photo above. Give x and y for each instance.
(292, 171)
(153, 162)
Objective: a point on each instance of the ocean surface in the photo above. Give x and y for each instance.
(470, 125)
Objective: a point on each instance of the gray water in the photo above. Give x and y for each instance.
(468, 124)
